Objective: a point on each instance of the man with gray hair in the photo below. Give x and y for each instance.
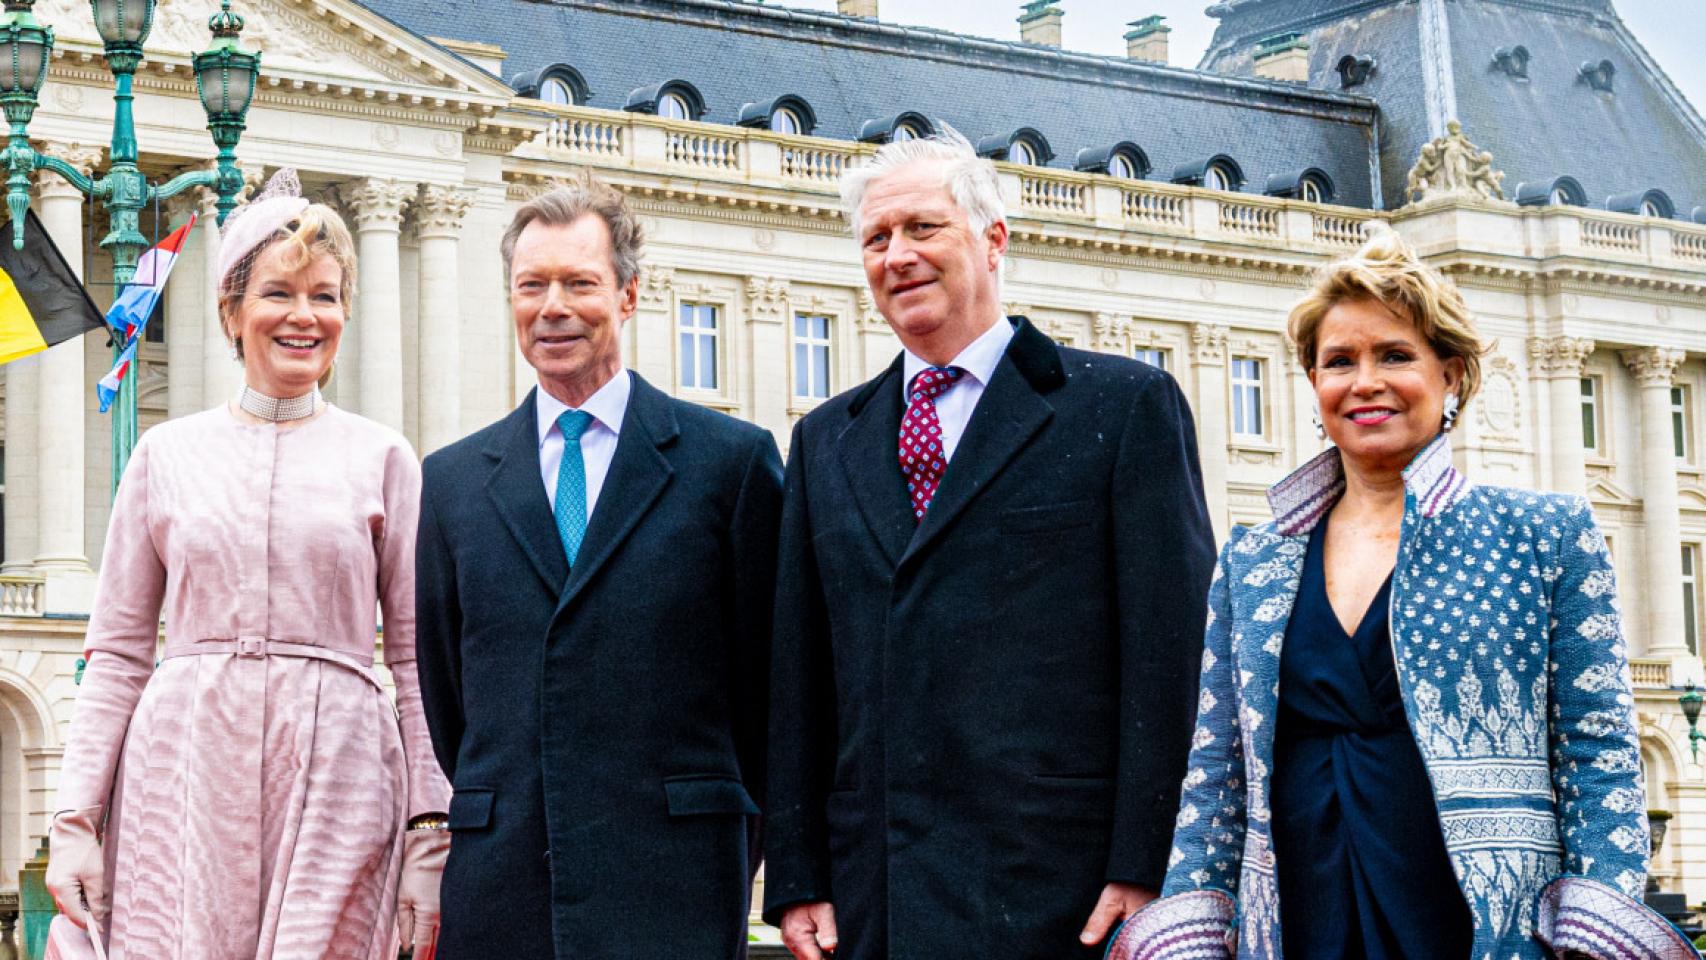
(594, 578)
(993, 571)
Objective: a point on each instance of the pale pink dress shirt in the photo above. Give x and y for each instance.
(257, 801)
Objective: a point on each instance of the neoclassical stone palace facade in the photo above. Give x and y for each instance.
(752, 302)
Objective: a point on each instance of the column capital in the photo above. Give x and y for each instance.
(1110, 331)
(656, 285)
(1208, 344)
(83, 158)
(767, 299)
(375, 203)
(870, 318)
(439, 210)
(1653, 366)
(1560, 356)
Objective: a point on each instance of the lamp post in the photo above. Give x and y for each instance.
(225, 78)
(1690, 702)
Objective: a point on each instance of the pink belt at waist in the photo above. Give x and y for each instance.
(259, 648)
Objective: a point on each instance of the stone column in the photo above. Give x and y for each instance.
(1561, 359)
(23, 405)
(60, 422)
(1208, 358)
(184, 312)
(377, 205)
(1655, 370)
(438, 218)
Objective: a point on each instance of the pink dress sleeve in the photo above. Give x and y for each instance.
(124, 630)
(429, 791)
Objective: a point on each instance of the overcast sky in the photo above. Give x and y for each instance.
(1674, 31)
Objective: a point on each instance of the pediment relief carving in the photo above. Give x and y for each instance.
(288, 38)
(1603, 490)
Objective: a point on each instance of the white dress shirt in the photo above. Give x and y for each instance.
(979, 360)
(598, 443)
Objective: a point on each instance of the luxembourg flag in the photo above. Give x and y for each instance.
(129, 313)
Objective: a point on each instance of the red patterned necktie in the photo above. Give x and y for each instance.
(922, 458)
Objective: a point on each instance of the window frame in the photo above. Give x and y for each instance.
(719, 346)
(1592, 397)
(1682, 421)
(1121, 159)
(1161, 353)
(1019, 146)
(1691, 597)
(1236, 406)
(798, 340)
(793, 116)
(679, 100)
(554, 82)
(1215, 177)
(903, 131)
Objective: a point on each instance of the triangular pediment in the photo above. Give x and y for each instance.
(1604, 490)
(325, 39)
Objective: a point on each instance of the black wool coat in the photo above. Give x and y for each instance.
(603, 727)
(979, 721)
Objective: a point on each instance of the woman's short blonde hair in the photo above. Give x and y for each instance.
(1386, 269)
(317, 231)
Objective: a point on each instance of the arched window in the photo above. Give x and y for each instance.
(785, 120)
(1215, 178)
(900, 127)
(1558, 191)
(673, 106)
(903, 132)
(556, 90)
(1022, 152)
(1310, 191)
(1560, 196)
(1651, 208)
(1219, 172)
(1121, 165)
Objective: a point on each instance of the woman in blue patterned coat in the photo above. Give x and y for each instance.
(1415, 732)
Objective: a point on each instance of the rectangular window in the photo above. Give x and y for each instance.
(1679, 420)
(811, 356)
(1247, 397)
(698, 346)
(1691, 596)
(1590, 413)
(1155, 358)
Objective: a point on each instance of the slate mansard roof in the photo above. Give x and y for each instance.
(1641, 134)
(851, 71)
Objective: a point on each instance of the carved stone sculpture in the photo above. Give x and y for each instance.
(1453, 166)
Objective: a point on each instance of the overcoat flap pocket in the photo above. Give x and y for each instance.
(693, 796)
(471, 809)
(1052, 516)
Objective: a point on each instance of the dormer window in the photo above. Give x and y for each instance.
(1311, 185)
(1598, 75)
(896, 129)
(1124, 160)
(1354, 71)
(558, 83)
(1557, 192)
(1023, 146)
(785, 114)
(1647, 203)
(672, 100)
(1219, 172)
(1512, 61)
(1697, 215)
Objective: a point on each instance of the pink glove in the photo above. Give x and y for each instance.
(424, 853)
(76, 871)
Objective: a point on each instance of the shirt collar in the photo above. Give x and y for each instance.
(1301, 499)
(979, 358)
(607, 405)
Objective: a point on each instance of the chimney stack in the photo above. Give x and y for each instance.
(857, 8)
(1147, 39)
(1040, 23)
(1284, 57)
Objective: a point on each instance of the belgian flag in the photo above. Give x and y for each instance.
(41, 300)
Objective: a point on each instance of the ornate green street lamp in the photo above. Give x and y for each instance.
(1690, 702)
(225, 77)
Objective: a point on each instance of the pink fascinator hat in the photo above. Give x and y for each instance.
(277, 204)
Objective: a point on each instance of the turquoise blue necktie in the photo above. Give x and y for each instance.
(571, 483)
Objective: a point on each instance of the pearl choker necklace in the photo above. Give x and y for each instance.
(275, 409)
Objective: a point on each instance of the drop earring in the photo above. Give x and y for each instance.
(1451, 408)
(1320, 428)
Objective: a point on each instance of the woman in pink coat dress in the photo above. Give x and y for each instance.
(255, 794)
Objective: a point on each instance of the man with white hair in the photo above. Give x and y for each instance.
(994, 564)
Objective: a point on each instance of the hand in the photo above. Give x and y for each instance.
(808, 930)
(1118, 901)
(424, 853)
(76, 868)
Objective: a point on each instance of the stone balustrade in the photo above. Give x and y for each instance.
(22, 596)
(714, 154)
(1650, 673)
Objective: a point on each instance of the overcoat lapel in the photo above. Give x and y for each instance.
(1011, 411)
(518, 494)
(639, 471)
(869, 456)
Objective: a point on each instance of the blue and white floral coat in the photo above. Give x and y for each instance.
(1510, 658)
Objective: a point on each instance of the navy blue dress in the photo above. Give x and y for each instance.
(1362, 867)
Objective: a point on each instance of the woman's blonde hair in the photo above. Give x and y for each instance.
(1386, 269)
(317, 231)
